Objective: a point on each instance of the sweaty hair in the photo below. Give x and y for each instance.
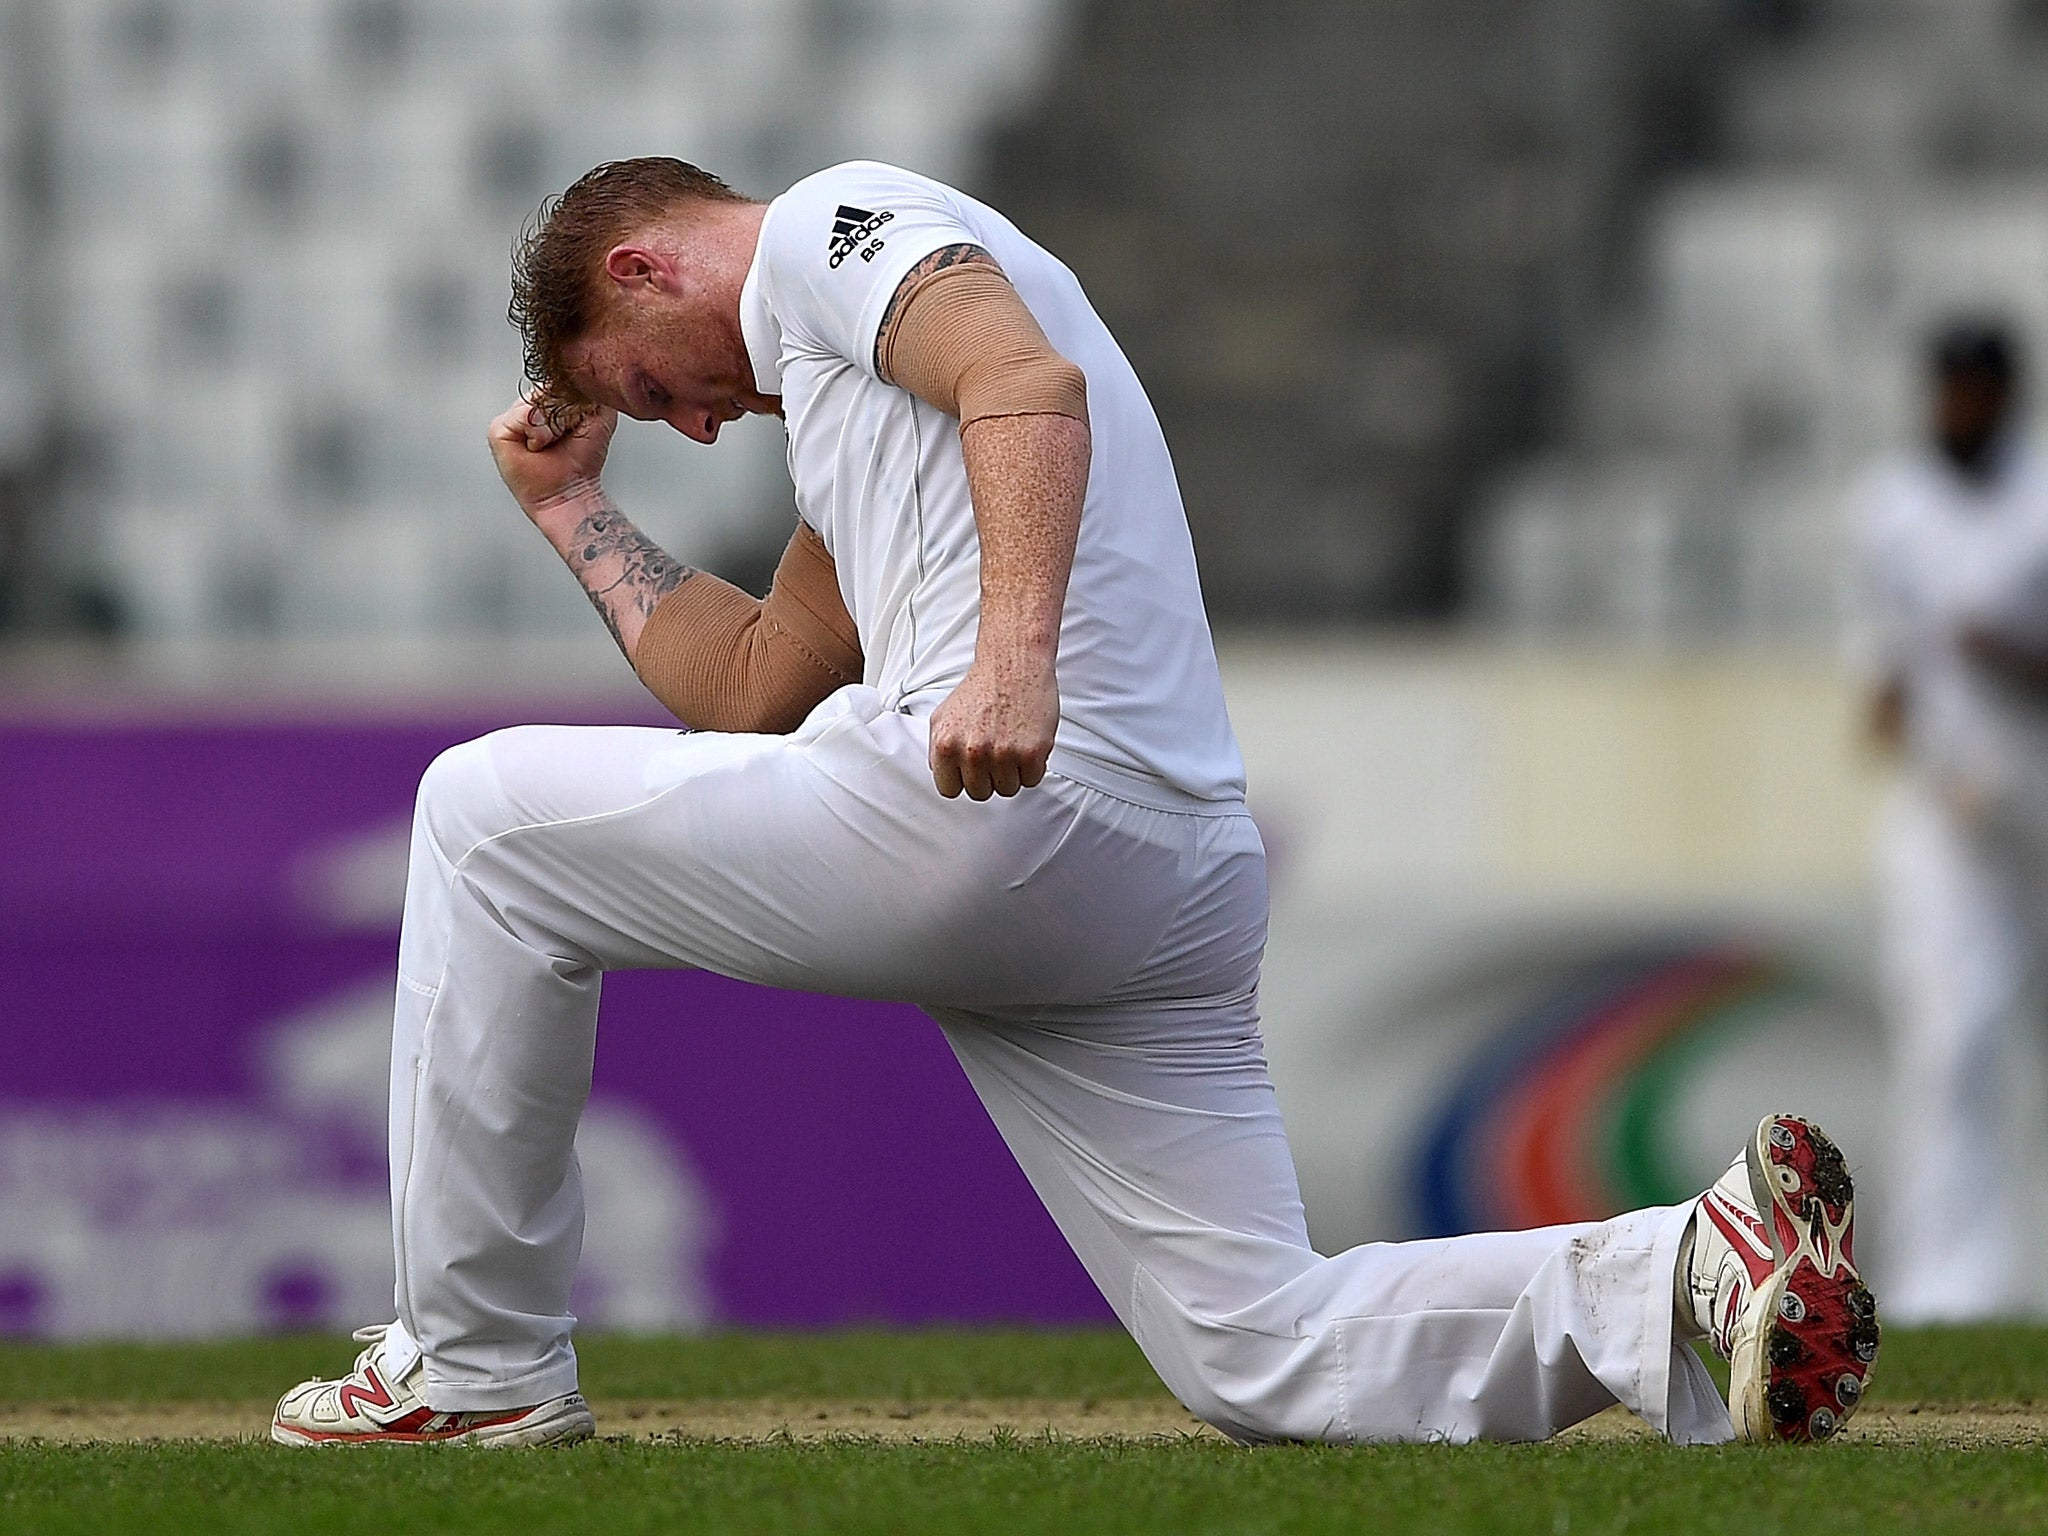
(558, 257)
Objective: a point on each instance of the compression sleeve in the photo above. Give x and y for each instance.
(966, 342)
(720, 660)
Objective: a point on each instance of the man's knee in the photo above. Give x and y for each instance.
(461, 801)
(1253, 1384)
(1252, 1411)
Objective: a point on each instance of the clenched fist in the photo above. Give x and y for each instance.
(538, 464)
(993, 733)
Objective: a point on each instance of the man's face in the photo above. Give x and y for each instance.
(660, 355)
(1970, 410)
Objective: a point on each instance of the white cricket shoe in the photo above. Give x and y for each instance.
(367, 1407)
(1767, 1274)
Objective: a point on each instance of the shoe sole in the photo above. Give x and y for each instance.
(560, 1421)
(1809, 1336)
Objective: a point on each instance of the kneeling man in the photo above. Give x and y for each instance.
(971, 753)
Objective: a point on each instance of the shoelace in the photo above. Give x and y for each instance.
(369, 1336)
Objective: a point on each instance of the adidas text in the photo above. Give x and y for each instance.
(851, 229)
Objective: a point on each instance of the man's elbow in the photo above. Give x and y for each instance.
(1064, 381)
(719, 660)
(1043, 384)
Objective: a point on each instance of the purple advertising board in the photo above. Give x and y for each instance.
(197, 934)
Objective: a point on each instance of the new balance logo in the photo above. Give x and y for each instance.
(353, 1399)
(851, 231)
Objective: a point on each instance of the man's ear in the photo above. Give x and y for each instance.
(637, 266)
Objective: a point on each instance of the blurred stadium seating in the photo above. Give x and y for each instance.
(1878, 168)
(1577, 316)
(1350, 247)
(257, 250)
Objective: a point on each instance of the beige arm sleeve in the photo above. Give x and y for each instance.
(965, 342)
(720, 660)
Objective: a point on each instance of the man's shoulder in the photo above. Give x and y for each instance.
(862, 186)
(849, 172)
(2029, 467)
(1889, 508)
(1902, 483)
(832, 214)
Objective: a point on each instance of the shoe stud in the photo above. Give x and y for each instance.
(1822, 1422)
(1848, 1390)
(1782, 1137)
(1786, 1402)
(1791, 1308)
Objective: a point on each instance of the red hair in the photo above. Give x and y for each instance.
(560, 253)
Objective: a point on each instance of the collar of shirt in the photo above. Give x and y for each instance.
(760, 332)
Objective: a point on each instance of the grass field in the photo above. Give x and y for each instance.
(1960, 1442)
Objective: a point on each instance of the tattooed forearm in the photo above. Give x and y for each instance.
(624, 572)
(945, 256)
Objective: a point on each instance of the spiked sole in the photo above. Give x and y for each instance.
(1808, 1337)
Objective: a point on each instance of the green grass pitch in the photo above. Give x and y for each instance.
(1015, 1484)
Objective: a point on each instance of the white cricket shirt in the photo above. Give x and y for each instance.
(1940, 552)
(879, 475)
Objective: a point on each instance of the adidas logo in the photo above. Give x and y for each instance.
(851, 228)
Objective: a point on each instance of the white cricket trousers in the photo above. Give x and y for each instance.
(1965, 937)
(1094, 965)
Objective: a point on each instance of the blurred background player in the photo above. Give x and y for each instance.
(1955, 564)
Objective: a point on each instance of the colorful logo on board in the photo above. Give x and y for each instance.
(1567, 1113)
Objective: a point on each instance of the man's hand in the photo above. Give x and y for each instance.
(993, 733)
(542, 467)
(554, 476)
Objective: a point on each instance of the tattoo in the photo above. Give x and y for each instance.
(945, 256)
(622, 570)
